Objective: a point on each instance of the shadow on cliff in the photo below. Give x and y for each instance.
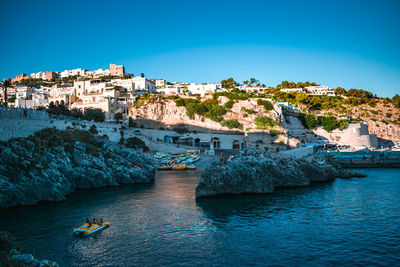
(222, 209)
(179, 128)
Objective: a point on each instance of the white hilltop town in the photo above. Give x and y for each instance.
(164, 125)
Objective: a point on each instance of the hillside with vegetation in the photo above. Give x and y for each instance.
(247, 110)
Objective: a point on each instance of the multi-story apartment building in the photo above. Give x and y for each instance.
(23, 92)
(136, 84)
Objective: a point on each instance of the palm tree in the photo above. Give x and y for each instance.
(6, 83)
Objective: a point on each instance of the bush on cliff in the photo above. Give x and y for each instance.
(232, 124)
(229, 104)
(265, 103)
(134, 142)
(52, 137)
(263, 122)
(209, 108)
(94, 114)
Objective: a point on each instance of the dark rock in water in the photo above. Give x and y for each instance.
(53, 163)
(262, 172)
(9, 256)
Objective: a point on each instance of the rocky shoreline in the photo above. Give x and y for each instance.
(53, 163)
(11, 256)
(262, 172)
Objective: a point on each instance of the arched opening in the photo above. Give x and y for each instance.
(216, 143)
(236, 144)
(197, 142)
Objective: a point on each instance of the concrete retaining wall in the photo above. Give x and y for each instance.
(301, 152)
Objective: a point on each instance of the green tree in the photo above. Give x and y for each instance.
(229, 104)
(134, 142)
(94, 114)
(253, 81)
(301, 98)
(93, 129)
(131, 123)
(77, 113)
(228, 83)
(118, 116)
(246, 82)
(396, 100)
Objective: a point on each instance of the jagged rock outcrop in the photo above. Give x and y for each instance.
(10, 256)
(261, 172)
(53, 163)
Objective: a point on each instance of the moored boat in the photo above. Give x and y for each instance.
(179, 167)
(191, 167)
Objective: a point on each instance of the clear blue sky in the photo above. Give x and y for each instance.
(353, 44)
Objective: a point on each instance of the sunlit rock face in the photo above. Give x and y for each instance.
(38, 169)
(261, 172)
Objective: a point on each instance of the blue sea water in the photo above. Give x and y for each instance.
(346, 222)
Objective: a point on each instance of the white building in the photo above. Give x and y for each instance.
(293, 90)
(107, 96)
(73, 72)
(319, 90)
(38, 100)
(38, 75)
(170, 90)
(160, 83)
(136, 84)
(250, 88)
(288, 106)
(24, 92)
(203, 89)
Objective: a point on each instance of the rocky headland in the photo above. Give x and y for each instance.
(53, 163)
(262, 172)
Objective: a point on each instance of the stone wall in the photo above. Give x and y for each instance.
(20, 113)
(354, 135)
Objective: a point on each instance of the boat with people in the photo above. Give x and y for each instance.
(91, 227)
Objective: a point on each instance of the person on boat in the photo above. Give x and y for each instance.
(94, 221)
(87, 220)
(101, 221)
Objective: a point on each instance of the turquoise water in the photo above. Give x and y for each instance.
(346, 222)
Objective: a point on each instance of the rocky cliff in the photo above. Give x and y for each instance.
(52, 163)
(163, 112)
(263, 173)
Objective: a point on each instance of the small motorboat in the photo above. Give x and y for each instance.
(179, 167)
(90, 228)
(164, 167)
(96, 228)
(81, 229)
(190, 167)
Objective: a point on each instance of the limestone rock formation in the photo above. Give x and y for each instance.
(261, 172)
(53, 163)
(9, 256)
